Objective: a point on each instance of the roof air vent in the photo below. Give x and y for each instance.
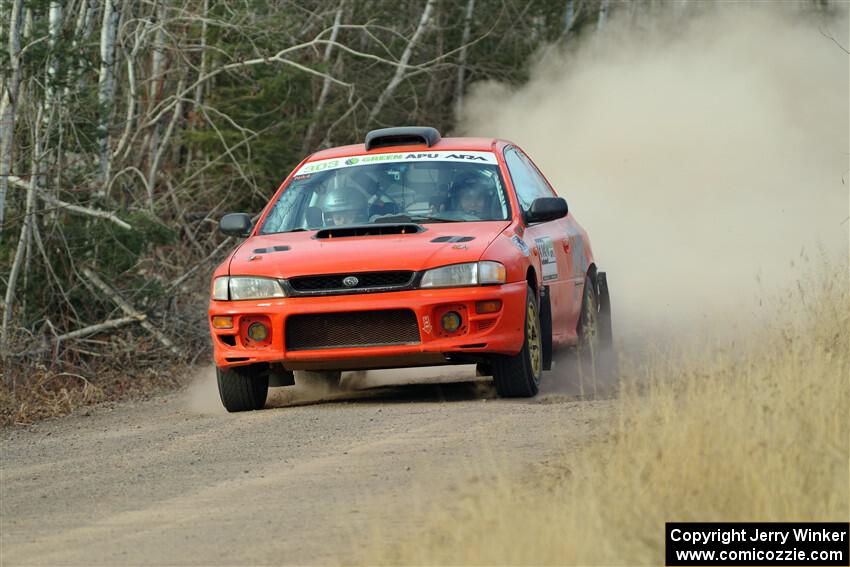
(405, 135)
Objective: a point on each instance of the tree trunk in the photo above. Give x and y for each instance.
(326, 85)
(157, 82)
(23, 241)
(398, 77)
(569, 17)
(8, 104)
(461, 63)
(106, 91)
(603, 14)
(199, 89)
(82, 31)
(157, 159)
(52, 106)
(55, 28)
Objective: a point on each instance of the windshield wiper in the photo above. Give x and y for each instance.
(285, 231)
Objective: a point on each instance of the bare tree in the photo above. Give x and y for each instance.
(461, 63)
(23, 241)
(8, 104)
(106, 91)
(602, 19)
(326, 83)
(398, 77)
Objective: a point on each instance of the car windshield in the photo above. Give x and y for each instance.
(382, 188)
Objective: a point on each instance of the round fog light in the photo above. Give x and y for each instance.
(258, 332)
(450, 321)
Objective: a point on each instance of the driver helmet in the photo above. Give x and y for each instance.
(474, 196)
(345, 205)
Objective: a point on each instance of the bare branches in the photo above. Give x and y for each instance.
(828, 35)
(130, 311)
(326, 84)
(405, 57)
(50, 200)
(278, 57)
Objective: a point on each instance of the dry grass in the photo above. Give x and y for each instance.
(50, 392)
(755, 429)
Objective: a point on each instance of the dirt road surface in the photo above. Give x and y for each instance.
(176, 480)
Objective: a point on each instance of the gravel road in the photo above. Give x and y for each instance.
(176, 480)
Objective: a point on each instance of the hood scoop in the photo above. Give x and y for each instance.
(368, 230)
(453, 239)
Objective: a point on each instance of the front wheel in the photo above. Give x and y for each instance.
(242, 388)
(518, 376)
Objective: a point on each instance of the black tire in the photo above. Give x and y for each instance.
(606, 330)
(546, 327)
(328, 378)
(242, 388)
(518, 376)
(596, 356)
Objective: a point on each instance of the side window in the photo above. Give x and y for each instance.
(545, 189)
(528, 183)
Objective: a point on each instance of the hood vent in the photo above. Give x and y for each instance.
(453, 239)
(368, 230)
(270, 250)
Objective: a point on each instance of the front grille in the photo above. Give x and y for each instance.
(366, 281)
(351, 329)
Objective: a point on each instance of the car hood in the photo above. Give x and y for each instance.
(302, 253)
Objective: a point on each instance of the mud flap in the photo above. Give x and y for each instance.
(546, 327)
(279, 377)
(605, 327)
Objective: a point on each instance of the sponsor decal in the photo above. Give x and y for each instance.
(426, 324)
(548, 261)
(357, 161)
(521, 245)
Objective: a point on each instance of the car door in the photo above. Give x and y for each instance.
(548, 240)
(573, 242)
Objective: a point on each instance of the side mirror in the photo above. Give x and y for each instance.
(546, 209)
(235, 224)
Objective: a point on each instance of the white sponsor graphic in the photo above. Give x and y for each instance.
(370, 159)
(547, 258)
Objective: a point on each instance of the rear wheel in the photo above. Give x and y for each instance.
(518, 376)
(606, 331)
(597, 361)
(243, 388)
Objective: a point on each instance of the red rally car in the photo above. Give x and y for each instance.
(408, 250)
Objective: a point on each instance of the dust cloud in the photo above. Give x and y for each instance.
(201, 396)
(706, 153)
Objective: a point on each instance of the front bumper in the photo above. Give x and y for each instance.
(501, 332)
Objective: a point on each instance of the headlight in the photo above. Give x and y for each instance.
(473, 273)
(242, 287)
